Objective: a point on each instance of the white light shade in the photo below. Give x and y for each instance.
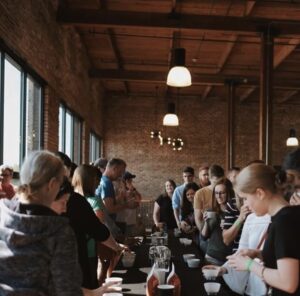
(179, 76)
(292, 141)
(171, 119)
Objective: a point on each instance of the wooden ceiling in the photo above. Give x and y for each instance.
(130, 44)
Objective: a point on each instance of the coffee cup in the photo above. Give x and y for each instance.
(117, 280)
(211, 214)
(165, 290)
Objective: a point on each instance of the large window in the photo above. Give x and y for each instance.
(70, 139)
(95, 147)
(20, 112)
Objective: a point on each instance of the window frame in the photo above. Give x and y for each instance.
(64, 110)
(93, 135)
(26, 72)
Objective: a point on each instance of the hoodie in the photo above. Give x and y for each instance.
(38, 253)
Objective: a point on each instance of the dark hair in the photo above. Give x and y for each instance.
(65, 187)
(292, 160)
(172, 183)
(65, 159)
(73, 168)
(116, 162)
(186, 205)
(189, 170)
(85, 176)
(216, 171)
(230, 195)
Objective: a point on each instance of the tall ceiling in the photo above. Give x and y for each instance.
(130, 44)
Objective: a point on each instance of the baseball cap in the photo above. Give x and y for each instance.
(127, 175)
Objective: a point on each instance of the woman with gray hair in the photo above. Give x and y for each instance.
(38, 254)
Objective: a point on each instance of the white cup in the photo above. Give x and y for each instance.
(118, 280)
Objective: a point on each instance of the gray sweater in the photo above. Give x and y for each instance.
(38, 254)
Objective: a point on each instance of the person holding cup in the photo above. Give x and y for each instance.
(259, 185)
(187, 223)
(217, 251)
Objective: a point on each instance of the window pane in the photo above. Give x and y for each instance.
(33, 116)
(77, 141)
(68, 135)
(12, 115)
(61, 128)
(94, 147)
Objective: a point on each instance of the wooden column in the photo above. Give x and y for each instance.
(230, 124)
(266, 96)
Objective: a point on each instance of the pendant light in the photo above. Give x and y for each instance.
(179, 75)
(171, 119)
(292, 141)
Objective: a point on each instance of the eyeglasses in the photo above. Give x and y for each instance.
(5, 175)
(220, 192)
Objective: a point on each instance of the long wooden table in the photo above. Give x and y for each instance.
(192, 279)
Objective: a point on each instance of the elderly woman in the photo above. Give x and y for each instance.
(6, 188)
(37, 247)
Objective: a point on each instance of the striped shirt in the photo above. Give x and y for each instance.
(231, 215)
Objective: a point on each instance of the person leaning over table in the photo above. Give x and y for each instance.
(85, 223)
(258, 184)
(38, 253)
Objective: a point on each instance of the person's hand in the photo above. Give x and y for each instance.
(124, 247)
(295, 199)
(238, 262)
(244, 212)
(222, 223)
(252, 253)
(205, 216)
(105, 288)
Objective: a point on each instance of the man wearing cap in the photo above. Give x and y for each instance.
(291, 165)
(188, 177)
(133, 198)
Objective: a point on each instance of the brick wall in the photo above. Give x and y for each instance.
(128, 123)
(56, 53)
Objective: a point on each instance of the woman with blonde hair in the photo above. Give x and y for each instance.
(259, 186)
(38, 254)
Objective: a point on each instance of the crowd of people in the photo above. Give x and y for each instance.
(246, 223)
(62, 230)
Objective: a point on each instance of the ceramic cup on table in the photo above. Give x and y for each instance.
(117, 280)
(210, 272)
(188, 256)
(165, 290)
(193, 262)
(212, 288)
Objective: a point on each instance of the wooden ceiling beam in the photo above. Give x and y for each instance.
(280, 55)
(114, 46)
(103, 18)
(198, 79)
(228, 49)
(224, 57)
(287, 96)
